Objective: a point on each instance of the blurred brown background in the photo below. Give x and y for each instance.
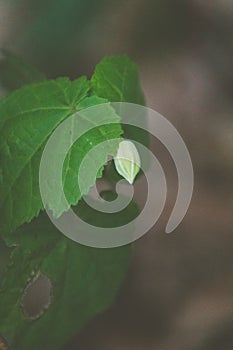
(179, 290)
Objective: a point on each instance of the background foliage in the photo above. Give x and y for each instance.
(178, 293)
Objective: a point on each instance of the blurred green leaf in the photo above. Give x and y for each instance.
(101, 219)
(85, 281)
(15, 72)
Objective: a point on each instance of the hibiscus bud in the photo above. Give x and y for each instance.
(127, 161)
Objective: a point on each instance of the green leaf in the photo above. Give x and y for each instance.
(116, 78)
(85, 282)
(27, 118)
(15, 72)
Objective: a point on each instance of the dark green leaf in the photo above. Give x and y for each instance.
(85, 282)
(15, 72)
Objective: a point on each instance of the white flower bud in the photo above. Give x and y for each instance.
(127, 161)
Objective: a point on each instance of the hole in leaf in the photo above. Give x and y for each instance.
(37, 296)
